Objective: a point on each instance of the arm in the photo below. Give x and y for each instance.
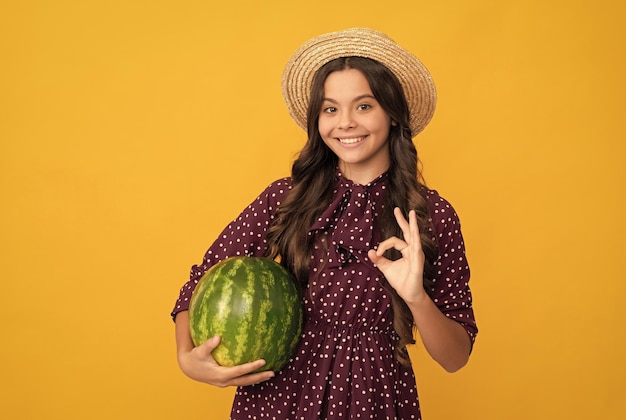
(244, 236)
(445, 339)
(198, 363)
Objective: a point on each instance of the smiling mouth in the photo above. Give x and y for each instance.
(351, 140)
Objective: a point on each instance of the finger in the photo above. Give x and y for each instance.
(207, 348)
(393, 242)
(402, 222)
(252, 379)
(242, 374)
(247, 368)
(416, 252)
(379, 260)
(414, 230)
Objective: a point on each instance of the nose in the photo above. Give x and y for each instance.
(346, 120)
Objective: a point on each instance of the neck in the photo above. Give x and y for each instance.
(361, 175)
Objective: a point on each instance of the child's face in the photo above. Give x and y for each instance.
(354, 126)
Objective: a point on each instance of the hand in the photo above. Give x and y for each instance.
(405, 275)
(199, 364)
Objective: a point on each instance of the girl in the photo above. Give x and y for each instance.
(377, 253)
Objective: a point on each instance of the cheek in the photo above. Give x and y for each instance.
(328, 141)
(387, 131)
(324, 126)
(385, 125)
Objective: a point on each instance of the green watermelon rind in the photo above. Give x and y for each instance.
(222, 302)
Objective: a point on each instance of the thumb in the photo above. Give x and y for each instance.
(375, 258)
(208, 346)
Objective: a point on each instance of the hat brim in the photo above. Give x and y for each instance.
(414, 77)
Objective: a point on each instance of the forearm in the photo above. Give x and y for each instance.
(445, 339)
(184, 342)
(185, 346)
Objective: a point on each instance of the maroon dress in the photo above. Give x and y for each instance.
(344, 365)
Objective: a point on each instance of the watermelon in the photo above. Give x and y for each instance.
(254, 305)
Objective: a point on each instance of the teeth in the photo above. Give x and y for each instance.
(351, 141)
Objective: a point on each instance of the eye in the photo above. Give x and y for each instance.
(364, 107)
(329, 110)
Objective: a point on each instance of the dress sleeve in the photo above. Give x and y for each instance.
(451, 292)
(244, 236)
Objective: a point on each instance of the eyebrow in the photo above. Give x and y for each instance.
(357, 99)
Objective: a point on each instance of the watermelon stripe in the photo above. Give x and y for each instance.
(263, 328)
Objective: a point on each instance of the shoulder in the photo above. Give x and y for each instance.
(276, 191)
(437, 204)
(442, 213)
(278, 188)
(281, 183)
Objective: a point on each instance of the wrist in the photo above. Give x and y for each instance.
(418, 300)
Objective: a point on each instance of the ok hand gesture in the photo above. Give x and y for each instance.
(404, 274)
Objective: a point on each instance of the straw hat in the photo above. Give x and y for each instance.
(416, 81)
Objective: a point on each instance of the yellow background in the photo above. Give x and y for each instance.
(131, 132)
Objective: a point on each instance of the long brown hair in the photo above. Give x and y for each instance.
(313, 175)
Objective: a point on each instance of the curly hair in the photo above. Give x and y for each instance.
(314, 170)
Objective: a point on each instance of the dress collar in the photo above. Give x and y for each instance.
(349, 218)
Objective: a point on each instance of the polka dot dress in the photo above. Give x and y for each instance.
(344, 365)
